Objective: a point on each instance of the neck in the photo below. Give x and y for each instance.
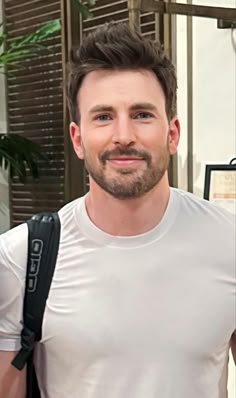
(127, 217)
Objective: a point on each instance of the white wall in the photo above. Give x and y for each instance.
(214, 99)
(214, 94)
(214, 103)
(4, 191)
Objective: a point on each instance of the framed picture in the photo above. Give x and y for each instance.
(220, 185)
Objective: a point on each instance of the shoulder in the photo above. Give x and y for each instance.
(205, 220)
(193, 205)
(13, 261)
(13, 250)
(14, 243)
(208, 228)
(69, 216)
(69, 210)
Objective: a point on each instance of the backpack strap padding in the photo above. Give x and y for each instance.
(43, 242)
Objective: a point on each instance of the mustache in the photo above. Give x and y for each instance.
(120, 151)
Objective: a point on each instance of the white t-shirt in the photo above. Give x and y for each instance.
(148, 316)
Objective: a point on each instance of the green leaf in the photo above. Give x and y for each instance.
(39, 35)
(19, 155)
(13, 56)
(28, 45)
(2, 38)
(83, 9)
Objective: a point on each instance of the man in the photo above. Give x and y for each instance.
(142, 302)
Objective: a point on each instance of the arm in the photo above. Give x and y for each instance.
(12, 381)
(233, 346)
(13, 258)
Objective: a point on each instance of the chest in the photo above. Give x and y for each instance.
(139, 305)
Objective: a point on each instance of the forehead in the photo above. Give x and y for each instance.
(116, 86)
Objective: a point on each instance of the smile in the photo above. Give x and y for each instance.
(124, 162)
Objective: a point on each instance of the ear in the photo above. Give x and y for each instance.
(174, 134)
(76, 140)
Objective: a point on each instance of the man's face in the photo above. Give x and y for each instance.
(124, 135)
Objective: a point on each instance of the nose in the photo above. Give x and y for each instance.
(124, 132)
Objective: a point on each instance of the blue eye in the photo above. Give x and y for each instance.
(143, 115)
(103, 117)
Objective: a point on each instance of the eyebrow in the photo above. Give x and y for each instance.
(144, 105)
(101, 108)
(134, 107)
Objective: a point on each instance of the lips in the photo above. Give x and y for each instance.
(125, 156)
(125, 161)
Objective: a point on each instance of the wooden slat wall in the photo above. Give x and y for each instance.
(35, 107)
(117, 10)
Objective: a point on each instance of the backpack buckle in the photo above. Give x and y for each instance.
(27, 346)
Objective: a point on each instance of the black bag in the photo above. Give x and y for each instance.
(43, 242)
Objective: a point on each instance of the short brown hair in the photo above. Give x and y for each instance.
(116, 46)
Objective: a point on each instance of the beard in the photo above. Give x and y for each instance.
(128, 182)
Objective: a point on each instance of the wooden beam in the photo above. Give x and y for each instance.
(190, 102)
(134, 7)
(188, 10)
(71, 36)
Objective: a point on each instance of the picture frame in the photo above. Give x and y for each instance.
(220, 185)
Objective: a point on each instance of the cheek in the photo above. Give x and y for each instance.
(91, 150)
(155, 135)
(158, 143)
(94, 143)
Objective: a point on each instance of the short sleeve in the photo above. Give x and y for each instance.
(13, 261)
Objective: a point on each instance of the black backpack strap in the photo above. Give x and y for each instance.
(43, 242)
